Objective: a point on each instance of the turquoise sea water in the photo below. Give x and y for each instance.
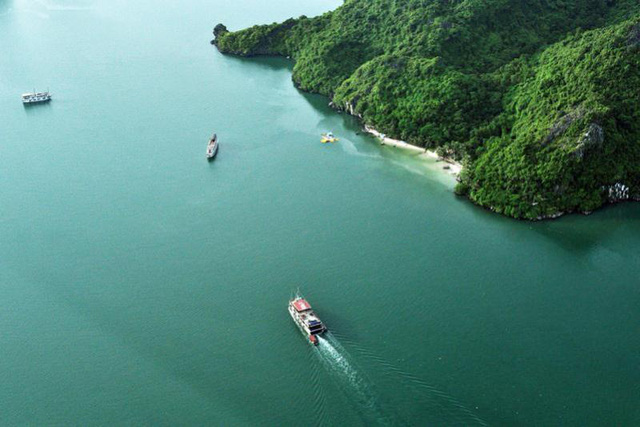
(140, 284)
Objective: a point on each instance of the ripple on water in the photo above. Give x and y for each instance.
(412, 397)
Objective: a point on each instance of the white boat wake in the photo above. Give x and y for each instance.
(351, 381)
(418, 402)
(334, 357)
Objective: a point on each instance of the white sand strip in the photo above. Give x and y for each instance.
(449, 165)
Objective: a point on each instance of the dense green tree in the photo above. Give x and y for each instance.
(539, 97)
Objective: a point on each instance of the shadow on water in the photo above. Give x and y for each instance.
(37, 109)
(573, 232)
(580, 234)
(348, 128)
(274, 63)
(320, 103)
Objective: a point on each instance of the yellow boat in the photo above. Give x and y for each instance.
(328, 137)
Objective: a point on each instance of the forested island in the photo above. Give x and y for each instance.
(539, 99)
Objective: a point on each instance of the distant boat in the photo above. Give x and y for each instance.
(212, 147)
(36, 97)
(304, 317)
(328, 137)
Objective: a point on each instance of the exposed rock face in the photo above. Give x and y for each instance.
(617, 192)
(562, 125)
(533, 133)
(591, 139)
(550, 216)
(350, 107)
(218, 30)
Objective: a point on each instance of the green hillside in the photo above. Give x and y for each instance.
(538, 98)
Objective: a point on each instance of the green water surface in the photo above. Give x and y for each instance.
(140, 284)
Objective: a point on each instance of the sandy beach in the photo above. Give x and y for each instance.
(448, 165)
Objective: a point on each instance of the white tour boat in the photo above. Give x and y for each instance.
(35, 97)
(304, 317)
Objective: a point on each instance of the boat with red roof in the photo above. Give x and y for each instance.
(303, 315)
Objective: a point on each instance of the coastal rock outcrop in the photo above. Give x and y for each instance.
(592, 139)
(540, 103)
(350, 107)
(218, 31)
(560, 126)
(617, 192)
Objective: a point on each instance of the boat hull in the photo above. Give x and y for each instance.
(313, 339)
(212, 155)
(35, 101)
(36, 98)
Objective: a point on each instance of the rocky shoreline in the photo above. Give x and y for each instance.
(560, 151)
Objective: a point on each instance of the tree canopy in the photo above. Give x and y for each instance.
(539, 98)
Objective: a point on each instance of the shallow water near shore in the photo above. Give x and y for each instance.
(141, 284)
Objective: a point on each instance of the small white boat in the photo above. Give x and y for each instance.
(35, 97)
(306, 320)
(212, 147)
